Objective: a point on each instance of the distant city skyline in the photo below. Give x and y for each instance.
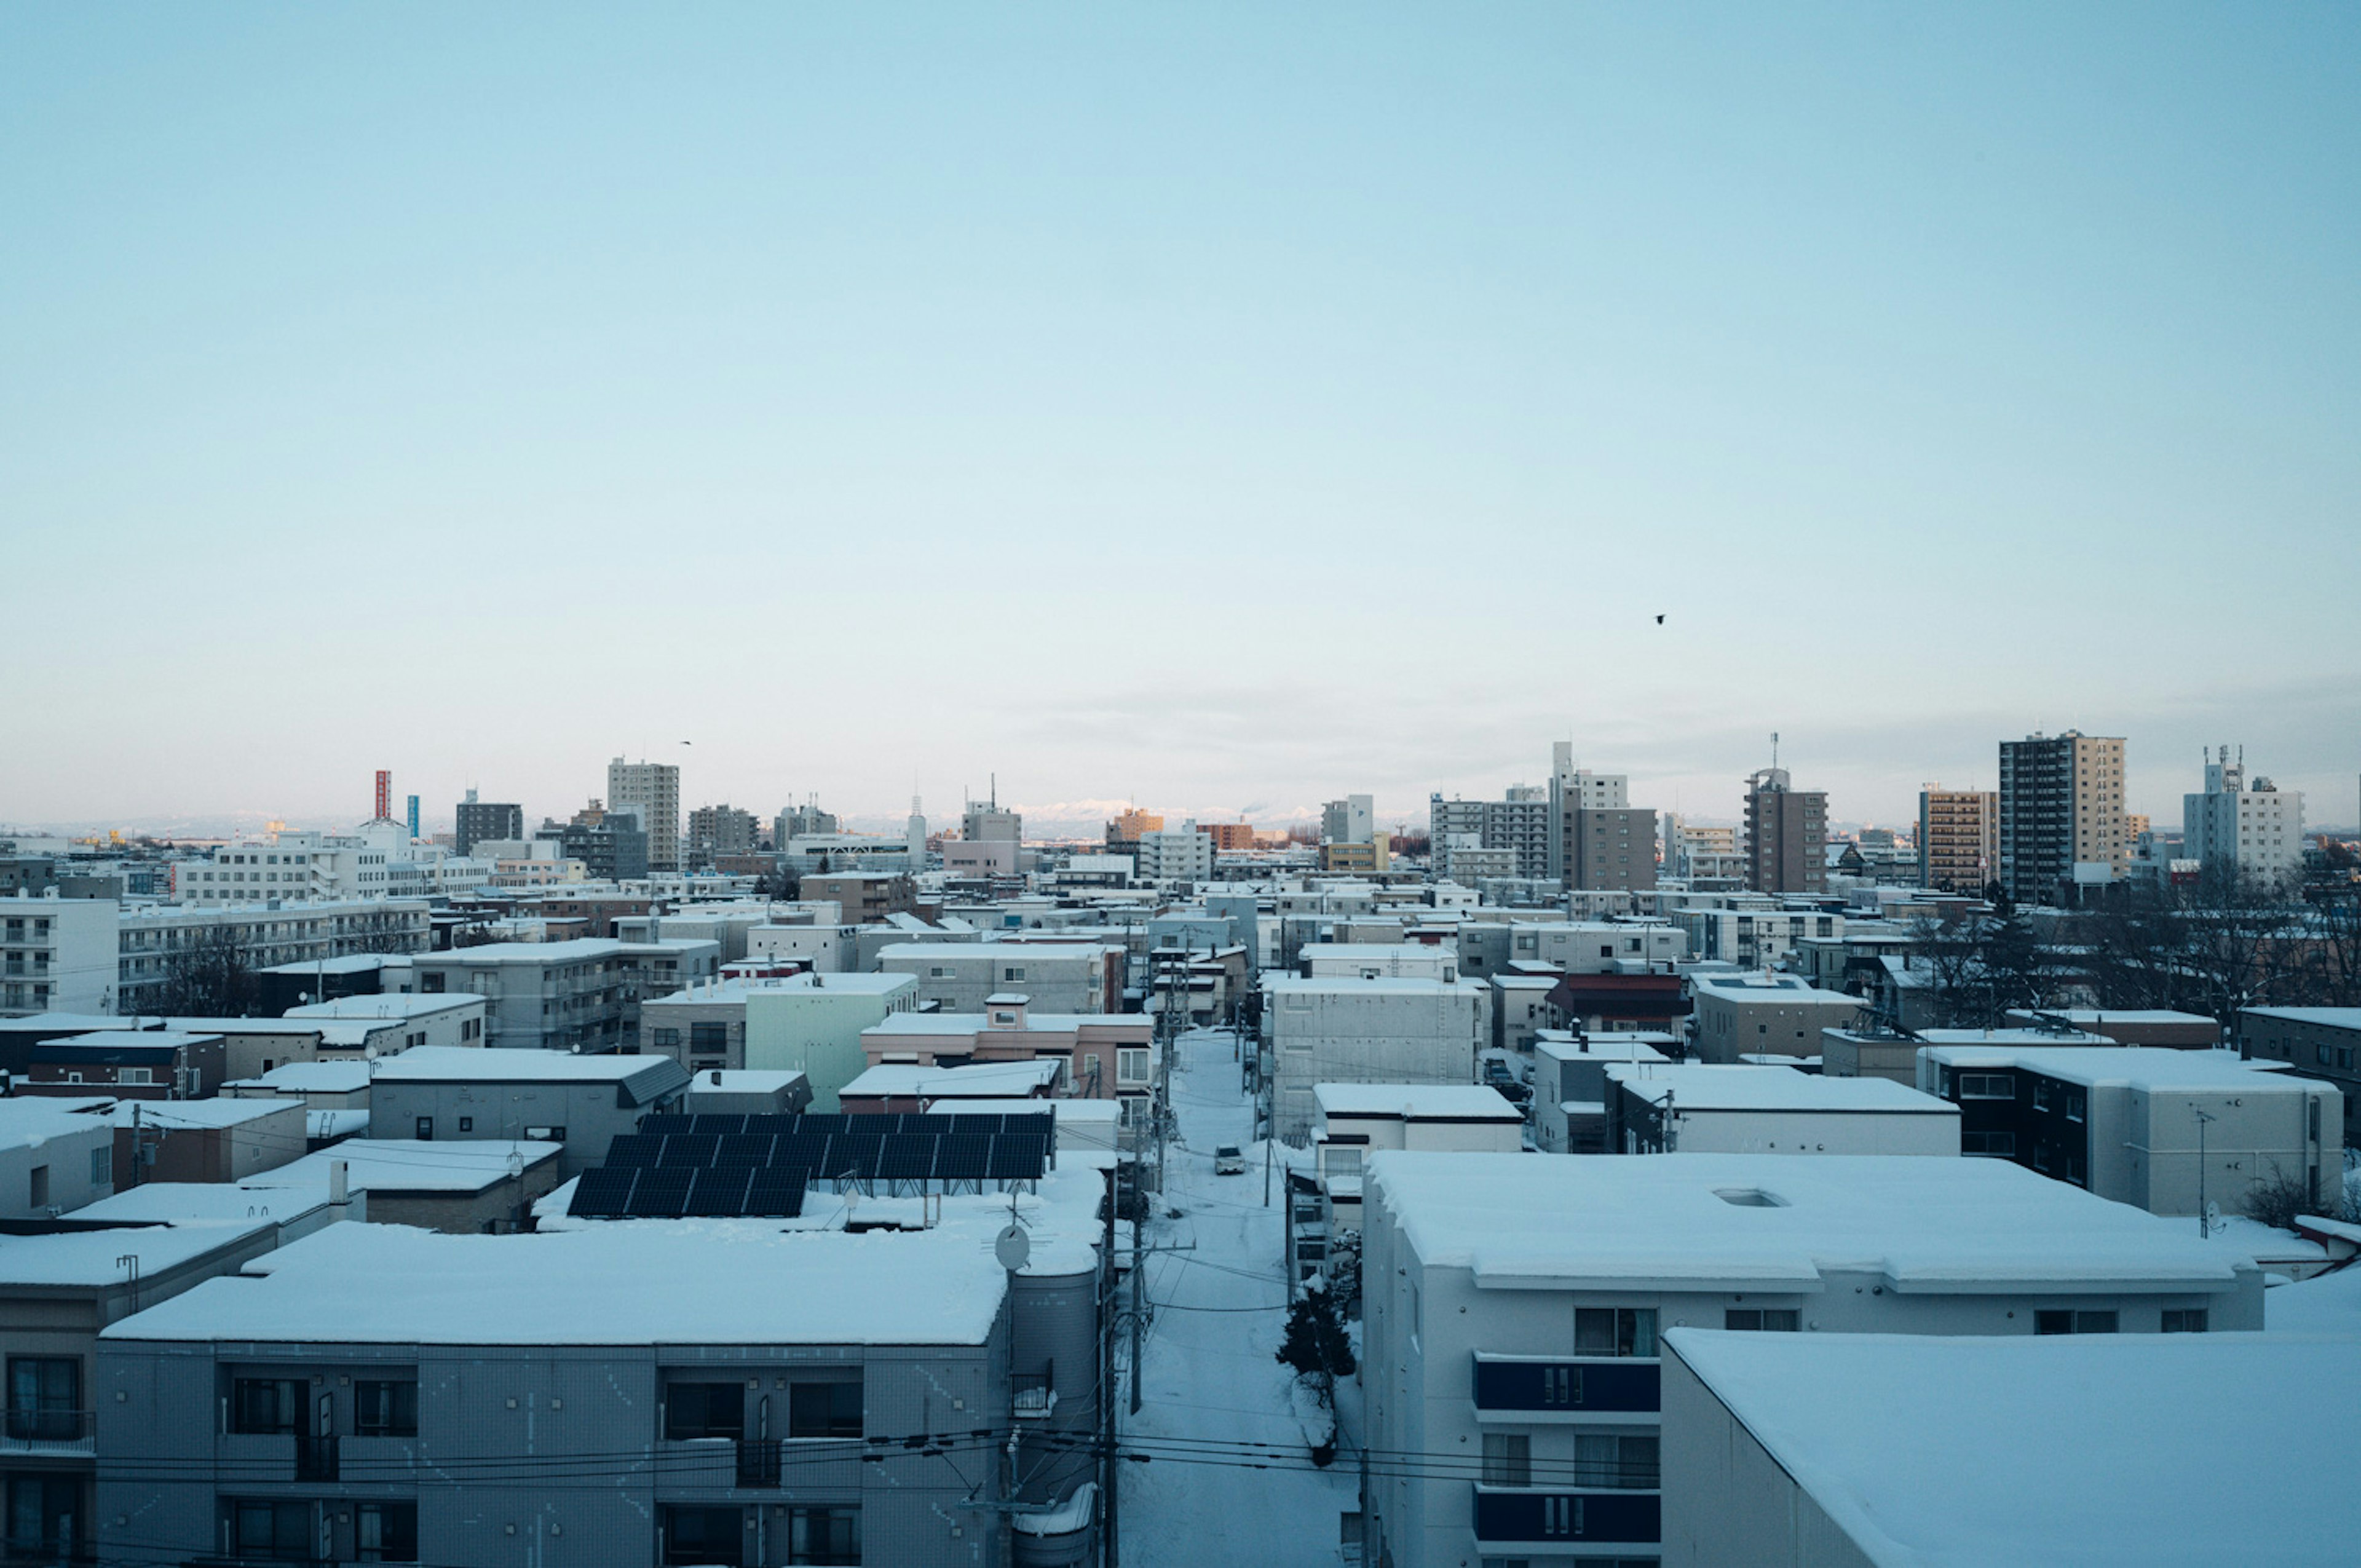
(1224, 405)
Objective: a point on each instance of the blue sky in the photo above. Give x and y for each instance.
(1226, 406)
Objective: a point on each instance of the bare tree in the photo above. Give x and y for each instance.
(208, 977)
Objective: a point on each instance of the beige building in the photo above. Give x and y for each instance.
(655, 789)
(1959, 838)
(2061, 815)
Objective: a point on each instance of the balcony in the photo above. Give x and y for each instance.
(61, 1433)
(1572, 1386)
(1521, 1517)
(758, 1462)
(317, 1459)
(1032, 1397)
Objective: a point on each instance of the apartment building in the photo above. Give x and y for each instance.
(581, 994)
(1699, 1108)
(439, 1093)
(57, 955)
(1520, 826)
(1352, 820)
(480, 819)
(1515, 1309)
(1358, 1120)
(1061, 976)
(1753, 934)
(811, 1024)
(1108, 1055)
(2240, 831)
(1958, 838)
(2319, 1042)
(2062, 816)
(1350, 1030)
(1764, 1014)
(721, 833)
(1179, 854)
(653, 790)
(153, 942)
(2167, 1131)
(862, 898)
(1787, 835)
(1570, 1086)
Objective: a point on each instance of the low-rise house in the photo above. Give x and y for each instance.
(1875, 1050)
(56, 1155)
(902, 1087)
(319, 1085)
(747, 1091)
(1612, 1003)
(443, 1092)
(1061, 976)
(206, 1140)
(1816, 1451)
(1763, 1013)
(438, 1020)
(251, 1047)
(2168, 1131)
(1107, 1056)
(745, 1397)
(1695, 1108)
(484, 1188)
(1569, 1114)
(1522, 1009)
(146, 1064)
(1514, 1309)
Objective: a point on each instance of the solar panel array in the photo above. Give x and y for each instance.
(758, 1167)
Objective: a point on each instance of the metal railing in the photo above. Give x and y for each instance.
(47, 1431)
(317, 1459)
(758, 1462)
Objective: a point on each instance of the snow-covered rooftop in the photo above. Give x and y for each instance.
(1416, 1102)
(94, 1257)
(1354, 985)
(977, 1078)
(1107, 1112)
(1697, 1087)
(980, 1023)
(1688, 1219)
(1757, 986)
(2189, 1449)
(2150, 1068)
(744, 1080)
(855, 984)
(2015, 1037)
(29, 1121)
(202, 1112)
(1622, 1045)
(678, 1282)
(387, 1004)
(448, 1064)
(405, 1165)
(202, 1203)
(310, 1078)
(2325, 1018)
(573, 950)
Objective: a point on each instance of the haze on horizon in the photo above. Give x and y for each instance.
(1220, 409)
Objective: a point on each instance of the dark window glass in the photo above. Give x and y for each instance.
(43, 1398)
(1777, 1320)
(386, 1532)
(384, 1408)
(264, 1405)
(2189, 1321)
(45, 1516)
(824, 1409)
(824, 1535)
(1614, 1331)
(272, 1530)
(703, 1409)
(704, 1536)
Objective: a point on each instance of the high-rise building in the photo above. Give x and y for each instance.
(1959, 838)
(1572, 792)
(2061, 815)
(1352, 820)
(804, 821)
(1520, 823)
(1130, 824)
(655, 788)
(486, 819)
(414, 817)
(715, 831)
(1612, 847)
(2239, 831)
(1787, 835)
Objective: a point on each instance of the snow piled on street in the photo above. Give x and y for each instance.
(1212, 1374)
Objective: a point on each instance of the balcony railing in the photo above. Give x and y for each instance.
(1523, 1515)
(1032, 1393)
(317, 1459)
(758, 1462)
(47, 1431)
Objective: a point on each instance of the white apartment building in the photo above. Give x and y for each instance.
(1514, 1307)
(652, 789)
(1350, 1030)
(2241, 831)
(1598, 947)
(57, 955)
(1061, 976)
(151, 941)
(1378, 961)
(1352, 820)
(1358, 1120)
(1697, 1108)
(286, 866)
(1179, 854)
(1570, 1086)
(1753, 934)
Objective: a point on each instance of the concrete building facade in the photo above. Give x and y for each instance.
(2062, 816)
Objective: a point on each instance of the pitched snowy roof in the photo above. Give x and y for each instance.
(310, 1078)
(617, 1284)
(1699, 1086)
(2191, 1449)
(1951, 1225)
(1416, 1102)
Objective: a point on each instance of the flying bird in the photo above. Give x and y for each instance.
(1660, 621)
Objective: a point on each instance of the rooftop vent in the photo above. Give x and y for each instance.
(1749, 1198)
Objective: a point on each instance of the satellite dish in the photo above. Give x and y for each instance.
(1013, 1246)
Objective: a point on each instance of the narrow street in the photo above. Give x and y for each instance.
(1217, 1400)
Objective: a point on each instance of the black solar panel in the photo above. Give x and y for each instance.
(692, 1150)
(603, 1194)
(963, 1159)
(854, 1153)
(775, 1194)
(1016, 1158)
(631, 1150)
(907, 1157)
(769, 1126)
(660, 1194)
(1033, 1125)
(720, 1126)
(664, 1125)
(972, 1123)
(872, 1126)
(800, 1151)
(719, 1193)
(826, 1124)
(744, 1148)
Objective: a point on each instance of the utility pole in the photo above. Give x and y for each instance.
(1107, 1551)
(1138, 1311)
(2204, 1220)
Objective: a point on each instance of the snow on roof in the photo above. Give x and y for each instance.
(202, 1203)
(1527, 982)
(405, 1165)
(350, 963)
(145, 1040)
(1416, 1102)
(1076, 1110)
(1623, 1047)
(446, 1064)
(386, 1005)
(1438, 951)
(27, 1121)
(980, 1079)
(857, 985)
(2326, 1304)
(2153, 1069)
(1694, 1087)
(1354, 985)
(1035, 1024)
(2014, 1038)
(2326, 1017)
(2190, 1448)
(573, 950)
(310, 1078)
(1756, 986)
(2116, 1014)
(200, 1113)
(94, 1257)
(320, 1125)
(744, 1080)
(1926, 1224)
(676, 1282)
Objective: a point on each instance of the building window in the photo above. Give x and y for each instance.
(1508, 1458)
(2002, 1143)
(1614, 1331)
(2074, 1103)
(1615, 1460)
(45, 1517)
(694, 1411)
(385, 1407)
(37, 1187)
(2062, 1322)
(426, 1129)
(824, 1535)
(264, 1405)
(2189, 1320)
(102, 1168)
(831, 1409)
(1987, 1086)
(1340, 1161)
(1776, 1319)
(704, 1536)
(1561, 1517)
(2040, 1094)
(271, 1530)
(386, 1532)
(43, 1398)
(1131, 1067)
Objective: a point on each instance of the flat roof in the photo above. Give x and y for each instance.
(2326, 1017)
(405, 1165)
(1693, 1086)
(683, 1282)
(1926, 1226)
(2193, 1448)
(573, 950)
(1416, 1102)
(869, 984)
(1354, 985)
(248, 1025)
(310, 1078)
(350, 963)
(2118, 1015)
(387, 1004)
(1626, 1046)
(200, 1113)
(1075, 1110)
(1752, 986)
(984, 1077)
(2151, 1068)
(93, 1258)
(497, 1063)
(202, 1203)
(1438, 950)
(2013, 1037)
(940, 951)
(744, 1080)
(980, 1023)
(29, 1121)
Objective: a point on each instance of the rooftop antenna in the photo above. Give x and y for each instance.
(1775, 748)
